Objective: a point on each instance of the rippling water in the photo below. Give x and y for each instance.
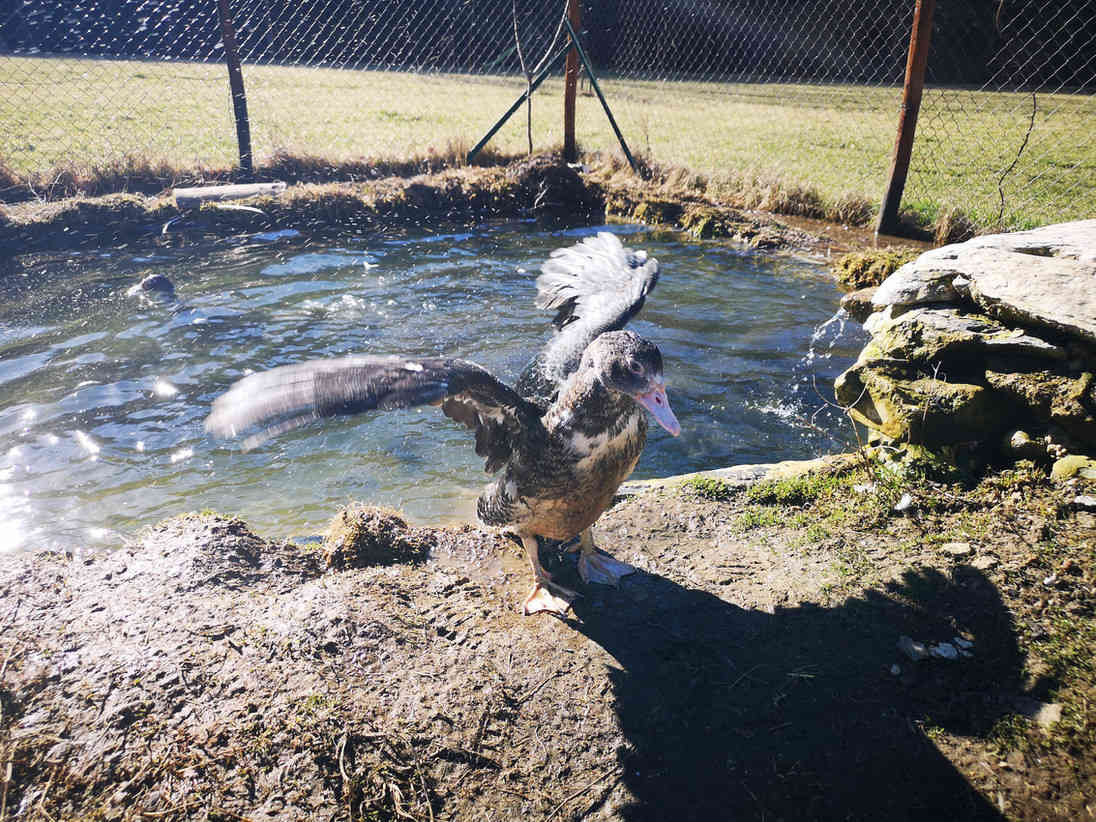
(102, 395)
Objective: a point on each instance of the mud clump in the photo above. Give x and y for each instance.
(361, 536)
(549, 187)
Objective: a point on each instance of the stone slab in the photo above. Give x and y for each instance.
(1043, 278)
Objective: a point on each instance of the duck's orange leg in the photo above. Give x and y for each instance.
(597, 566)
(546, 596)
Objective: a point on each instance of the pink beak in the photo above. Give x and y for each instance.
(656, 402)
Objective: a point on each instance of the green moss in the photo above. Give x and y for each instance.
(711, 488)
(861, 269)
(658, 211)
(793, 490)
(707, 223)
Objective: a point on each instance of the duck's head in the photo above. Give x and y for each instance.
(629, 364)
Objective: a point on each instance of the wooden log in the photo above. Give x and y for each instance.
(194, 197)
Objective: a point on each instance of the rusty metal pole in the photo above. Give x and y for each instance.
(570, 86)
(236, 84)
(591, 75)
(907, 119)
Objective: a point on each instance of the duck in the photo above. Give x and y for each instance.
(561, 441)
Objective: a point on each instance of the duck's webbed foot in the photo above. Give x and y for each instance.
(546, 596)
(541, 599)
(597, 566)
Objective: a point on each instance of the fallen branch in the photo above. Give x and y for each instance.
(615, 770)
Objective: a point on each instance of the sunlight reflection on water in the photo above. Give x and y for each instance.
(104, 395)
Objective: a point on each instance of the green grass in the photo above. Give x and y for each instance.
(836, 139)
(711, 488)
(796, 490)
(758, 516)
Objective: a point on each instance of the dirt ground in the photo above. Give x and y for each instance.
(749, 670)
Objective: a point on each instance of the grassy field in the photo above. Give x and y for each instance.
(57, 113)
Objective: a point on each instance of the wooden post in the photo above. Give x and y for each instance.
(236, 84)
(907, 119)
(592, 76)
(570, 86)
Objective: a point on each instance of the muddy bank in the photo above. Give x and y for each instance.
(543, 187)
(750, 670)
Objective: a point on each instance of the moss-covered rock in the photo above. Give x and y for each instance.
(1073, 466)
(861, 269)
(1053, 397)
(904, 405)
(934, 335)
(858, 303)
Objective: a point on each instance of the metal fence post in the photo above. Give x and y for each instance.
(907, 119)
(570, 86)
(236, 84)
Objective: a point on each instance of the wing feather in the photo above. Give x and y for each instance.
(276, 401)
(595, 286)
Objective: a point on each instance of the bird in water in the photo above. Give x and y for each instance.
(562, 441)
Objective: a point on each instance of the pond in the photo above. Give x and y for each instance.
(103, 395)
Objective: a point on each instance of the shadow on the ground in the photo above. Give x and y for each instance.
(743, 714)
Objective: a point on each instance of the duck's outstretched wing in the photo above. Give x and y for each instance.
(595, 286)
(273, 402)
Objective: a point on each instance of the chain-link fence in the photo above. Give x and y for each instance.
(803, 90)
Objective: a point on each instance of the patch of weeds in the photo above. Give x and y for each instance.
(711, 488)
(1070, 647)
(933, 732)
(315, 704)
(808, 529)
(952, 225)
(968, 526)
(757, 516)
(1022, 476)
(918, 465)
(851, 209)
(851, 566)
(843, 569)
(1008, 734)
(795, 490)
(918, 216)
(1077, 727)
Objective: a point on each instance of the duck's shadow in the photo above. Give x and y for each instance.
(798, 714)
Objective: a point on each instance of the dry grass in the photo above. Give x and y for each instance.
(953, 226)
(794, 149)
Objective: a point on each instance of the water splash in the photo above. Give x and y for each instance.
(826, 337)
